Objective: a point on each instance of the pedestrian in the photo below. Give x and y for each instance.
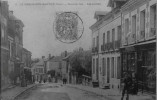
(127, 84)
(134, 87)
(65, 80)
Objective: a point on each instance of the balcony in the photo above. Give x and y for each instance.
(109, 46)
(152, 32)
(112, 45)
(102, 47)
(94, 49)
(142, 35)
(117, 44)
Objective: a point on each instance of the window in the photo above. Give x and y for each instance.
(113, 38)
(119, 32)
(108, 36)
(112, 67)
(142, 22)
(93, 42)
(104, 66)
(134, 24)
(103, 38)
(93, 66)
(97, 69)
(118, 68)
(153, 19)
(97, 41)
(113, 35)
(126, 26)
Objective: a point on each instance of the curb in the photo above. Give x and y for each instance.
(9, 87)
(16, 96)
(108, 98)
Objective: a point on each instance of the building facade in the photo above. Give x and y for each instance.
(4, 15)
(55, 64)
(124, 40)
(106, 34)
(26, 58)
(139, 25)
(15, 42)
(38, 72)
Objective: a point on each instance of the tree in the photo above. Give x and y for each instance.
(80, 62)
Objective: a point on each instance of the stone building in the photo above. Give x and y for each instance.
(4, 16)
(38, 70)
(124, 40)
(15, 42)
(54, 63)
(26, 58)
(139, 25)
(106, 32)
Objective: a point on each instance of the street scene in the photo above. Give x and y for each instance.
(78, 50)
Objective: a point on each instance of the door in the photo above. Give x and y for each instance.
(97, 69)
(108, 70)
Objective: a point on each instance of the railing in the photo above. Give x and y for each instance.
(86, 80)
(153, 31)
(142, 34)
(94, 49)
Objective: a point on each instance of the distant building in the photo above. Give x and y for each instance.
(38, 70)
(54, 63)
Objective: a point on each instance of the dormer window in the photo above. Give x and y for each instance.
(116, 3)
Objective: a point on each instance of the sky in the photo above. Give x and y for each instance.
(38, 17)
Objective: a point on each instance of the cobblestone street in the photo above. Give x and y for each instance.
(58, 92)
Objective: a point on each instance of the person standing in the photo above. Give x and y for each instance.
(64, 80)
(127, 84)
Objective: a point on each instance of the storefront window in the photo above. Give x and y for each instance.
(150, 70)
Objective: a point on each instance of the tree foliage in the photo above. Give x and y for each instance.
(80, 62)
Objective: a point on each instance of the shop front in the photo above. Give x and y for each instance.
(146, 67)
(140, 60)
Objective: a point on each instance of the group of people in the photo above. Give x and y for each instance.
(130, 85)
(64, 80)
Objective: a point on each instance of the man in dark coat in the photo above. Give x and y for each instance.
(127, 84)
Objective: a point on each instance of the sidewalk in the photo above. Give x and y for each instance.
(111, 94)
(11, 93)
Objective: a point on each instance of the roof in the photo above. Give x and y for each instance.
(39, 63)
(110, 2)
(67, 57)
(56, 58)
(100, 13)
(12, 17)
